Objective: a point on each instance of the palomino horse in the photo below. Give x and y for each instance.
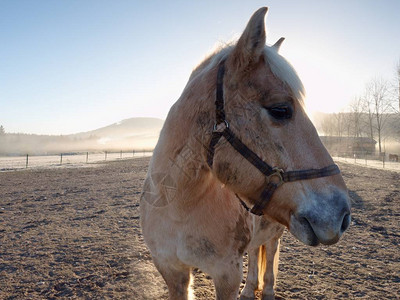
(238, 136)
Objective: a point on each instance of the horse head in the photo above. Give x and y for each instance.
(264, 110)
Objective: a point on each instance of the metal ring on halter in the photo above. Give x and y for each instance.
(216, 129)
(278, 173)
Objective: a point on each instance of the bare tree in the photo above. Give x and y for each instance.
(328, 125)
(396, 101)
(356, 116)
(339, 125)
(398, 84)
(347, 123)
(367, 108)
(334, 124)
(379, 106)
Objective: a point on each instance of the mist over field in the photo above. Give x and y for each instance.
(142, 134)
(127, 135)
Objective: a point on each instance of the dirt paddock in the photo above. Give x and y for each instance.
(74, 233)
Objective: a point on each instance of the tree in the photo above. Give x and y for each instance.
(378, 105)
(398, 84)
(340, 123)
(327, 125)
(396, 98)
(2, 131)
(367, 108)
(356, 116)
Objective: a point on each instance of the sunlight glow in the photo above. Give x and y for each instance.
(326, 82)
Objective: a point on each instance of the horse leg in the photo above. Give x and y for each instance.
(177, 278)
(227, 283)
(252, 276)
(272, 257)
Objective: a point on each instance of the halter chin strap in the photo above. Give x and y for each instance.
(275, 177)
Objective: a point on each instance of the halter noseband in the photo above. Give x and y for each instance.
(275, 177)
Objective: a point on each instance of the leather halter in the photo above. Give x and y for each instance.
(275, 177)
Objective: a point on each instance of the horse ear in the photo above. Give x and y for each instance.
(278, 44)
(251, 44)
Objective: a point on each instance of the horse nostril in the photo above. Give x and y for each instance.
(345, 223)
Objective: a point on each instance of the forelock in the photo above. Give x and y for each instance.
(284, 71)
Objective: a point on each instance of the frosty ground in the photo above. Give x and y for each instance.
(74, 233)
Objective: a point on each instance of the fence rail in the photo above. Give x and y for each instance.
(8, 163)
(389, 161)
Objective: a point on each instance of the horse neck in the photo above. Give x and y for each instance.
(182, 147)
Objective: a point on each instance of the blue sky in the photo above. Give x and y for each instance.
(72, 66)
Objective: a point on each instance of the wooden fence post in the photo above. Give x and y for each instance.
(87, 157)
(105, 155)
(61, 159)
(26, 165)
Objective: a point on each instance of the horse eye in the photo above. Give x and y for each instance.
(282, 112)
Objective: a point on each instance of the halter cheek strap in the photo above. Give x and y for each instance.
(275, 177)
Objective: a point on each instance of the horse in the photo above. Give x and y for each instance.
(393, 157)
(237, 148)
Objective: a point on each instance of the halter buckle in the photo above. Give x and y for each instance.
(276, 177)
(221, 126)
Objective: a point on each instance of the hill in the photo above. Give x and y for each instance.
(129, 134)
(126, 128)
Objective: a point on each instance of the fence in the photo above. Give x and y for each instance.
(370, 160)
(84, 158)
(66, 159)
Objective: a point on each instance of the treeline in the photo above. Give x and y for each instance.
(374, 114)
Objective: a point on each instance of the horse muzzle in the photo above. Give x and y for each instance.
(321, 219)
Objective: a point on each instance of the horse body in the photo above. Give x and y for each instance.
(203, 227)
(190, 214)
(393, 157)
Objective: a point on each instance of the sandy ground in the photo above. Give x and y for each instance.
(74, 234)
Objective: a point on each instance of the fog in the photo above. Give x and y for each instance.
(391, 147)
(132, 134)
